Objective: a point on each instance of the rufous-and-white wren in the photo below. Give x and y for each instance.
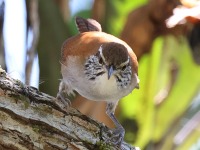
(99, 67)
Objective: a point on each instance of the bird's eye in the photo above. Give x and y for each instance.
(100, 61)
(123, 68)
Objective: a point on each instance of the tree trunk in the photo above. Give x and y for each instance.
(31, 120)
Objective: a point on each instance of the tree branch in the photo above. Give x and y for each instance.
(30, 119)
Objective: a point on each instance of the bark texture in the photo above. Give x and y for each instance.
(31, 120)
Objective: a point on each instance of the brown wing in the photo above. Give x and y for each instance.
(83, 44)
(87, 25)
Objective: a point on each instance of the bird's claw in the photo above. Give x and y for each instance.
(63, 101)
(117, 136)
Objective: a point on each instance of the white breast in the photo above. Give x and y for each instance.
(99, 89)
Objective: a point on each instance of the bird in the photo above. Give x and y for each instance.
(100, 67)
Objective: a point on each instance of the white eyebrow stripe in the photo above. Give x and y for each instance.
(101, 54)
(125, 63)
(104, 60)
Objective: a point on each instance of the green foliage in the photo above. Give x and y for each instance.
(185, 87)
(169, 78)
(155, 119)
(116, 14)
(140, 102)
(167, 87)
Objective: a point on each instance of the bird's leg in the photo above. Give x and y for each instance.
(118, 132)
(61, 98)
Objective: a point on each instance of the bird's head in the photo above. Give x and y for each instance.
(114, 57)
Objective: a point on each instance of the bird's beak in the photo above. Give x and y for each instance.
(110, 71)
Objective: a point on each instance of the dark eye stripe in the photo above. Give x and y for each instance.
(100, 73)
(87, 65)
(101, 61)
(92, 78)
(123, 68)
(118, 79)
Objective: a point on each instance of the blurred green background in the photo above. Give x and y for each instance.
(164, 113)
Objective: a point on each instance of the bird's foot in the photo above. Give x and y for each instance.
(117, 136)
(62, 100)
